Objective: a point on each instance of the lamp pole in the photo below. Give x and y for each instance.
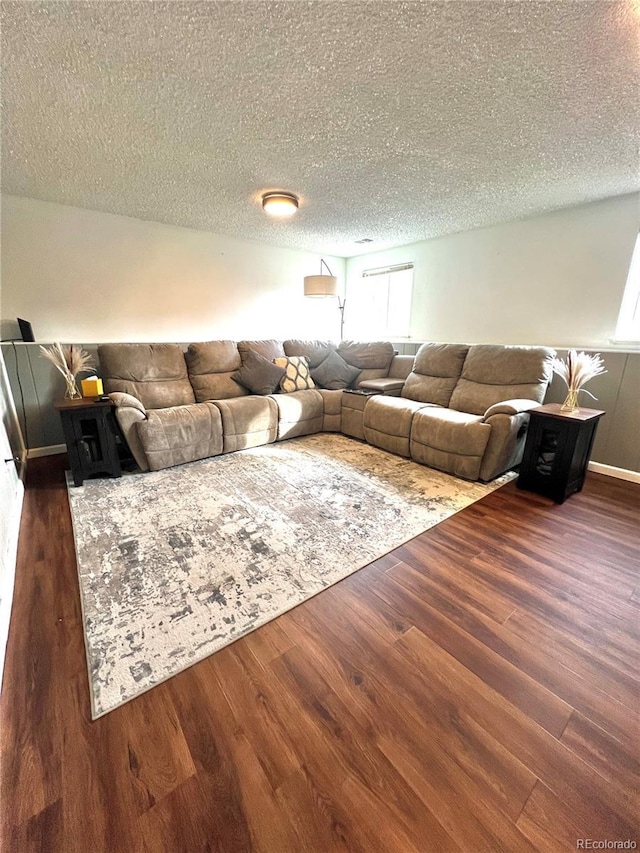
(341, 302)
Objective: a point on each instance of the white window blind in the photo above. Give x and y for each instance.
(628, 327)
(379, 303)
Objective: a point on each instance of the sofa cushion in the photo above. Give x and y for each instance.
(154, 373)
(248, 422)
(314, 351)
(258, 374)
(334, 373)
(387, 422)
(299, 413)
(435, 373)
(372, 359)
(296, 373)
(269, 349)
(375, 355)
(211, 366)
(493, 373)
(180, 434)
(449, 440)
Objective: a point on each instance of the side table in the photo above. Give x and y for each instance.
(353, 402)
(90, 435)
(557, 450)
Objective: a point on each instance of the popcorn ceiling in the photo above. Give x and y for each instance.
(392, 121)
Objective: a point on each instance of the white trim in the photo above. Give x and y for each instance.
(608, 346)
(8, 573)
(49, 450)
(612, 471)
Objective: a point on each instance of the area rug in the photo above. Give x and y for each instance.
(176, 564)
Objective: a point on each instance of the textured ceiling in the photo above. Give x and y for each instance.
(392, 121)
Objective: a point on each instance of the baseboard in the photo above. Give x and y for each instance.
(8, 573)
(596, 467)
(49, 450)
(618, 473)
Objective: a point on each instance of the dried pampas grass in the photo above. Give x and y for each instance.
(577, 370)
(70, 360)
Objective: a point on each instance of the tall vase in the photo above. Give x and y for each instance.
(72, 392)
(571, 403)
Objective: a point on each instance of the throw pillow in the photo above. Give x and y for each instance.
(296, 373)
(334, 373)
(258, 374)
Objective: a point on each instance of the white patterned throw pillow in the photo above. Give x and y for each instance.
(296, 373)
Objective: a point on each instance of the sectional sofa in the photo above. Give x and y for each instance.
(459, 408)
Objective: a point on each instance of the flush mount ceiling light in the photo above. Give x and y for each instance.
(279, 204)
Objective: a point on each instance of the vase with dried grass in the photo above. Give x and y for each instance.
(578, 369)
(70, 360)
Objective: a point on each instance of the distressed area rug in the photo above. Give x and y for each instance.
(176, 564)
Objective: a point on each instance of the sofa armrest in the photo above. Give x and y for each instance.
(510, 407)
(387, 385)
(129, 413)
(122, 400)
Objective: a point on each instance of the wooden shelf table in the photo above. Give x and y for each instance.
(557, 450)
(90, 434)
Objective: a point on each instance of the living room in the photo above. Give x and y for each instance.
(478, 145)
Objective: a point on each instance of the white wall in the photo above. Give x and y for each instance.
(81, 275)
(555, 279)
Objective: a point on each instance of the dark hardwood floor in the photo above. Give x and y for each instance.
(477, 689)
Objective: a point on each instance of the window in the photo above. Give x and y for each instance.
(628, 328)
(379, 303)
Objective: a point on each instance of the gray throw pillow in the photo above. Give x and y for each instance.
(258, 374)
(334, 373)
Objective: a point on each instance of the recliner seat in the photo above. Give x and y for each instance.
(436, 369)
(481, 434)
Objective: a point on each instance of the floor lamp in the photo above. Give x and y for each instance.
(325, 285)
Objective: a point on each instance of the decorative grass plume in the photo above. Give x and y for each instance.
(577, 370)
(70, 360)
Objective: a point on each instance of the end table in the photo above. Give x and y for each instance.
(557, 450)
(90, 435)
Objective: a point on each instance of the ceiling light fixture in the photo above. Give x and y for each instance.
(280, 204)
(325, 285)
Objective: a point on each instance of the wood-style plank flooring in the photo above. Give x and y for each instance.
(477, 689)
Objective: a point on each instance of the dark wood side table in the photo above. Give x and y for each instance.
(90, 434)
(557, 450)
